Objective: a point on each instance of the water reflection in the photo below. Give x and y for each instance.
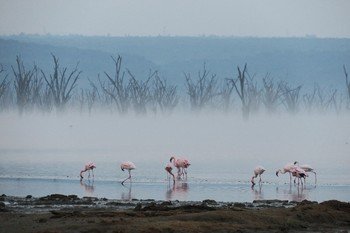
(294, 192)
(257, 191)
(88, 186)
(177, 190)
(126, 193)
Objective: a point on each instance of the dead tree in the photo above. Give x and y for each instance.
(240, 84)
(309, 99)
(201, 91)
(140, 93)
(4, 84)
(61, 84)
(253, 95)
(347, 83)
(23, 85)
(226, 95)
(164, 95)
(91, 96)
(291, 98)
(116, 88)
(271, 94)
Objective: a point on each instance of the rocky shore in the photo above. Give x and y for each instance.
(61, 213)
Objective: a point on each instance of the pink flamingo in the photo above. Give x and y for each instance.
(258, 171)
(287, 168)
(127, 166)
(168, 169)
(180, 164)
(299, 173)
(306, 168)
(89, 166)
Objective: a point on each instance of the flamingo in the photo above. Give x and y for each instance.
(299, 173)
(127, 166)
(306, 168)
(180, 164)
(89, 166)
(287, 168)
(168, 169)
(258, 171)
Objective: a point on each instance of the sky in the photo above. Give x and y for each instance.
(258, 18)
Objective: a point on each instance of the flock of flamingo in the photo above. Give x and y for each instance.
(294, 169)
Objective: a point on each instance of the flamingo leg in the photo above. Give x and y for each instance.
(260, 178)
(93, 175)
(129, 177)
(315, 177)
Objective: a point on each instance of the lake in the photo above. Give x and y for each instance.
(41, 155)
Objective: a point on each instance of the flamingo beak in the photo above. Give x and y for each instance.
(277, 173)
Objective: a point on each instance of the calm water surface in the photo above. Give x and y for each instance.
(43, 155)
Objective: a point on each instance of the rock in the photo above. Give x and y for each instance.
(239, 205)
(209, 202)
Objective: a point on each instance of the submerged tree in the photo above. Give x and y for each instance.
(291, 98)
(202, 90)
(116, 88)
(226, 95)
(271, 94)
(347, 83)
(164, 95)
(4, 84)
(61, 84)
(23, 84)
(241, 87)
(140, 92)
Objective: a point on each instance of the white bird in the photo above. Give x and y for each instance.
(127, 166)
(287, 168)
(257, 172)
(306, 168)
(299, 173)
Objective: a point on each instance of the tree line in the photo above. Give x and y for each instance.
(26, 90)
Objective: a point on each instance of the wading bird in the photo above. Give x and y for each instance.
(181, 165)
(168, 169)
(257, 172)
(299, 173)
(287, 168)
(306, 168)
(89, 166)
(127, 166)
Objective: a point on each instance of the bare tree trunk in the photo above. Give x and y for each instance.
(271, 94)
(291, 98)
(117, 89)
(241, 90)
(140, 92)
(347, 83)
(201, 91)
(164, 95)
(4, 86)
(23, 85)
(226, 95)
(61, 84)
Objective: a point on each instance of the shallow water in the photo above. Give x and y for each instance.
(40, 155)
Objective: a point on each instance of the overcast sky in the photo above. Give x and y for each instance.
(268, 18)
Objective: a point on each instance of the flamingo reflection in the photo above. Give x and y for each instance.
(126, 193)
(257, 192)
(88, 186)
(294, 192)
(176, 190)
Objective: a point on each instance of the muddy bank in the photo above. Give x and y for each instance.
(61, 213)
